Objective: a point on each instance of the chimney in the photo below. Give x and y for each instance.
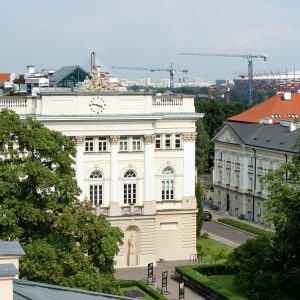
(292, 126)
(286, 96)
(265, 121)
(10, 252)
(8, 272)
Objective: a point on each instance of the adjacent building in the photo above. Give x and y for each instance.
(249, 145)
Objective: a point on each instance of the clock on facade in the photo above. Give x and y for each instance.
(97, 105)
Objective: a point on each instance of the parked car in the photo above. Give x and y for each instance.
(207, 215)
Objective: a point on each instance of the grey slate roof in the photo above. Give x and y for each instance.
(30, 290)
(11, 249)
(8, 270)
(63, 72)
(269, 136)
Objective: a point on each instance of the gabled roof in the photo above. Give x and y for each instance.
(269, 136)
(11, 249)
(63, 72)
(30, 290)
(275, 106)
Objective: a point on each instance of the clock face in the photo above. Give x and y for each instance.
(97, 104)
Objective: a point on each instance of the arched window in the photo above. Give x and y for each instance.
(129, 189)
(167, 191)
(96, 188)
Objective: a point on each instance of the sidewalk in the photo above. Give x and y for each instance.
(216, 216)
(140, 273)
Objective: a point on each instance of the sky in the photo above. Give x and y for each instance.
(150, 33)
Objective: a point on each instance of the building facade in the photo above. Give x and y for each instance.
(244, 153)
(135, 162)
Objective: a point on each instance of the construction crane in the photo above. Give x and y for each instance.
(171, 70)
(249, 58)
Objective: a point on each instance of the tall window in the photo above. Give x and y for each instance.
(136, 143)
(177, 141)
(96, 192)
(129, 190)
(168, 141)
(124, 143)
(167, 191)
(89, 144)
(102, 144)
(157, 141)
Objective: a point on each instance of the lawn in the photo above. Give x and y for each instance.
(220, 284)
(209, 250)
(247, 227)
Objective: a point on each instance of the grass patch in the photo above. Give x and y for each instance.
(246, 227)
(211, 251)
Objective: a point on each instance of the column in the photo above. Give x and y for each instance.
(114, 145)
(189, 164)
(79, 140)
(148, 167)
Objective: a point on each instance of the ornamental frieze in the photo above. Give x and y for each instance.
(114, 139)
(79, 140)
(149, 139)
(189, 136)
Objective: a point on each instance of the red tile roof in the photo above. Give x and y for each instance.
(275, 108)
(4, 77)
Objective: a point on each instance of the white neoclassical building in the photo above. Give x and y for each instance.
(244, 152)
(135, 162)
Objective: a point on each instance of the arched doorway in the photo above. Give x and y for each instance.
(132, 245)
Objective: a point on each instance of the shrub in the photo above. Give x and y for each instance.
(143, 286)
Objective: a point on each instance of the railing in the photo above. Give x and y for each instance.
(11, 102)
(167, 101)
(132, 210)
(101, 210)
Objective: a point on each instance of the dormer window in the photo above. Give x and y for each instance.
(293, 116)
(276, 116)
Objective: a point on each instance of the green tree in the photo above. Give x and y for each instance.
(203, 146)
(255, 267)
(283, 212)
(65, 242)
(199, 193)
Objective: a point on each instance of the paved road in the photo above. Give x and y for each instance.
(173, 286)
(226, 232)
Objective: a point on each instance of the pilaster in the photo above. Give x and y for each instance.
(79, 140)
(189, 163)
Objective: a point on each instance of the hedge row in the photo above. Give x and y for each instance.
(246, 227)
(143, 286)
(209, 286)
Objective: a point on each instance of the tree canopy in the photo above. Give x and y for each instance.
(65, 243)
(273, 264)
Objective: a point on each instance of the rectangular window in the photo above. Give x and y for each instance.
(177, 141)
(124, 143)
(102, 144)
(129, 193)
(89, 144)
(96, 194)
(157, 141)
(167, 192)
(168, 141)
(136, 143)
